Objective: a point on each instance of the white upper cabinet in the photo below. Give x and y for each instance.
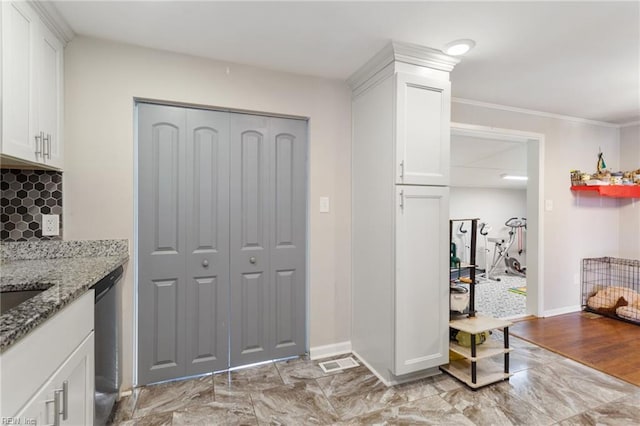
(422, 130)
(49, 52)
(32, 66)
(19, 32)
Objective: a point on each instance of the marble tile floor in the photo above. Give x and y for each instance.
(546, 389)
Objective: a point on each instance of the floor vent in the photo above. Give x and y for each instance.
(338, 364)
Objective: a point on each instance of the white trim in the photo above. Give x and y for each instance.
(319, 352)
(373, 370)
(496, 133)
(537, 307)
(53, 20)
(562, 311)
(534, 112)
(630, 124)
(408, 53)
(124, 393)
(398, 380)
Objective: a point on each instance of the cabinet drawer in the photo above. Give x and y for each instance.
(28, 364)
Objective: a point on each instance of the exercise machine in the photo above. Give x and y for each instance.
(501, 249)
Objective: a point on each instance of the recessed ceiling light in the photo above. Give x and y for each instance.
(459, 47)
(513, 177)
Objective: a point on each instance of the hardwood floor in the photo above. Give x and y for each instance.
(605, 344)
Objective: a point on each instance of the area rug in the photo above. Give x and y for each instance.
(519, 290)
(493, 298)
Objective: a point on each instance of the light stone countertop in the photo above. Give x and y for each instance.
(64, 278)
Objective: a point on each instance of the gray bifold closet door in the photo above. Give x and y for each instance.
(221, 240)
(268, 206)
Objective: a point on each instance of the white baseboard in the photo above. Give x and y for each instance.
(373, 370)
(319, 352)
(562, 311)
(124, 393)
(398, 380)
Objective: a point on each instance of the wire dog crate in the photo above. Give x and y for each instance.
(611, 287)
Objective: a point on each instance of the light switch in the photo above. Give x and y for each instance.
(548, 205)
(324, 204)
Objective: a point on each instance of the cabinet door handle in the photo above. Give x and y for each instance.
(56, 407)
(39, 144)
(46, 146)
(402, 200)
(402, 169)
(65, 400)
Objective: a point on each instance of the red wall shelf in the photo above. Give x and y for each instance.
(616, 191)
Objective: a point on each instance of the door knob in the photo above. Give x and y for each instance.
(205, 263)
(252, 260)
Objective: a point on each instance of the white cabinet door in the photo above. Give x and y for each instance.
(32, 67)
(73, 383)
(49, 51)
(423, 110)
(19, 32)
(422, 268)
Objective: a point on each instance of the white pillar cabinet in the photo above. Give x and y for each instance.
(400, 208)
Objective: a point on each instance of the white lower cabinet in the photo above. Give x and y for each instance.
(67, 398)
(421, 309)
(53, 366)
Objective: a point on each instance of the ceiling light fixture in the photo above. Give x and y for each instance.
(513, 177)
(459, 47)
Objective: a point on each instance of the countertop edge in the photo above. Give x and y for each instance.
(8, 338)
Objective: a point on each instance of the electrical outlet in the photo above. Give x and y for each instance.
(50, 224)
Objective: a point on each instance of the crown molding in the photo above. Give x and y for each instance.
(534, 112)
(630, 124)
(53, 20)
(408, 53)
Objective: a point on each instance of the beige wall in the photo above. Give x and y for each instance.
(101, 80)
(630, 208)
(578, 226)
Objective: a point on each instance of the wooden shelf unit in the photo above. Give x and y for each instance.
(469, 370)
(460, 370)
(614, 191)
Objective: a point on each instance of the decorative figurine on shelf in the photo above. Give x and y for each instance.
(601, 164)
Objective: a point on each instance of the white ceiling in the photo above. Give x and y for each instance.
(580, 59)
(479, 162)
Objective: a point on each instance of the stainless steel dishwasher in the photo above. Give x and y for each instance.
(106, 347)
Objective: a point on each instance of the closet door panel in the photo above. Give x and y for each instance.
(207, 229)
(288, 236)
(249, 224)
(161, 243)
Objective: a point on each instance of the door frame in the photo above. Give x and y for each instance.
(535, 202)
(136, 184)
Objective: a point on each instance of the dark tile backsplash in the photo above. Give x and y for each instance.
(27, 195)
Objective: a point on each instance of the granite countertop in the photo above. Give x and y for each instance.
(64, 278)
